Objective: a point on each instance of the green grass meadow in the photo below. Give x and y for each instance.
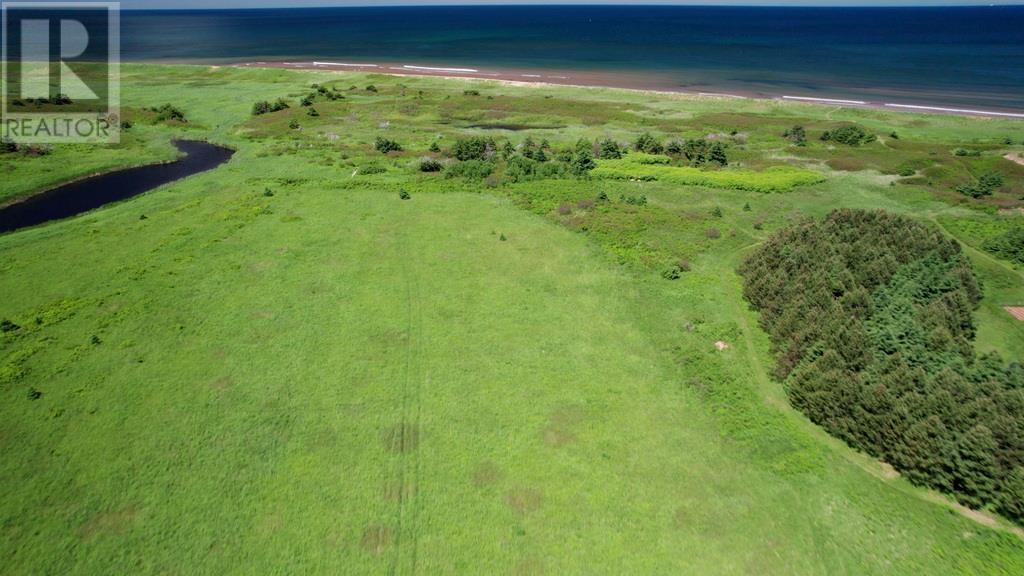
(330, 379)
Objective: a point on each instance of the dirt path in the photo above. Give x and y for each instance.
(1015, 157)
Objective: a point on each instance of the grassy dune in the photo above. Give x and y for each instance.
(330, 379)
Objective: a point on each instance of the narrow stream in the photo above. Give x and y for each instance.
(90, 193)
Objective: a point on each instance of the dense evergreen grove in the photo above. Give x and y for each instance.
(870, 315)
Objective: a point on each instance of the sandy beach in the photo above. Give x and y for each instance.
(606, 79)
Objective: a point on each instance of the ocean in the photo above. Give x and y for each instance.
(967, 57)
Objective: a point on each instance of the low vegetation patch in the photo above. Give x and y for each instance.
(659, 168)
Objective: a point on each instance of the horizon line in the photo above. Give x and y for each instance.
(653, 4)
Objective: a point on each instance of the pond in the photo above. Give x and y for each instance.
(90, 193)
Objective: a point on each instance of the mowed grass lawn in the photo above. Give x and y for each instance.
(334, 380)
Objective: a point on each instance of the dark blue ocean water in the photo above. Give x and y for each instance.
(945, 56)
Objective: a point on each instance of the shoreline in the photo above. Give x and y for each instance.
(607, 79)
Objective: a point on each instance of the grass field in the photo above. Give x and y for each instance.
(489, 377)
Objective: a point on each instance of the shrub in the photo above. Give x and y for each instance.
(797, 135)
(470, 169)
(312, 112)
(8, 146)
(264, 107)
(602, 196)
(583, 161)
(430, 165)
(700, 152)
(985, 185)
(520, 169)
(169, 112)
(851, 135)
(713, 233)
(672, 273)
(306, 101)
(371, 88)
(717, 212)
(294, 125)
(470, 92)
(1008, 245)
(676, 271)
(610, 149)
(383, 145)
(404, 195)
(648, 143)
(533, 152)
(372, 169)
(964, 152)
(8, 326)
(746, 207)
(475, 148)
(435, 147)
(907, 172)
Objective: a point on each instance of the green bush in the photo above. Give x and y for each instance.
(986, 184)
(851, 135)
(371, 169)
(964, 152)
(470, 170)
(430, 165)
(169, 112)
(384, 145)
(649, 144)
(609, 149)
(474, 148)
(264, 107)
(1008, 245)
(797, 135)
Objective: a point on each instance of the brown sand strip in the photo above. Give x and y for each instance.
(1016, 311)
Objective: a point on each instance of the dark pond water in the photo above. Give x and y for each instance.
(91, 193)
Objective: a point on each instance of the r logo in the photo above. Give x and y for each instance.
(60, 69)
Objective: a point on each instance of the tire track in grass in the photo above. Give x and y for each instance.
(408, 431)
